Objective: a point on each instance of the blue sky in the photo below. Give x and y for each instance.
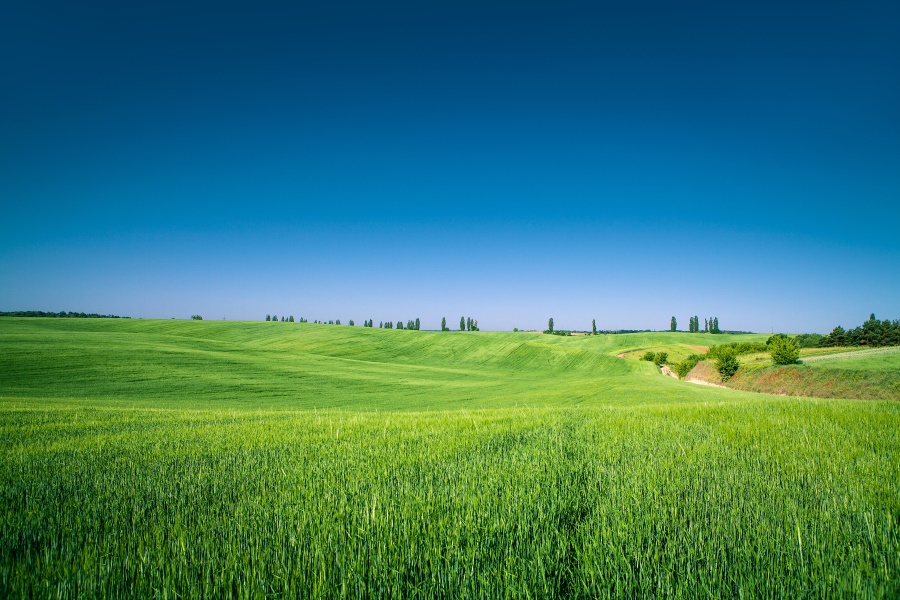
(508, 161)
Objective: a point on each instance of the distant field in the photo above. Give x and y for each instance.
(218, 459)
(875, 359)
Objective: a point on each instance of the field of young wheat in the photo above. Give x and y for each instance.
(196, 459)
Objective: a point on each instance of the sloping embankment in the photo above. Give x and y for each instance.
(801, 380)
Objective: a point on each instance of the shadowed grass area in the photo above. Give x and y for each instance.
(157, 458)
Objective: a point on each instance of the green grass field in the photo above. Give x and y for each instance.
(875, 359)
(217, 459)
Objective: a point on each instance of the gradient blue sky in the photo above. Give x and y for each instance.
(507, 161)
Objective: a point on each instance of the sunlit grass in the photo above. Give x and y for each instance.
(469, 465)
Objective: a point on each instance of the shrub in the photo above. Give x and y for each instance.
(727, 365)
(809, 340)
(661, 358)
(784, 350)
(685, 366)
(735, 348)
(648, 356)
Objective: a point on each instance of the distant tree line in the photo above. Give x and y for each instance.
(58, 315)
(872, 333)
(284, 319)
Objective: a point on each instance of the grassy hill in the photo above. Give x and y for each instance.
(197, 364)
(220, 459)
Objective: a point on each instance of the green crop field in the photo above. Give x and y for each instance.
(173, 459)
(875, 359)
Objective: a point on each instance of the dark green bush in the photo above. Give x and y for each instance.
(727, 365)
(784, 350)
(736, 349)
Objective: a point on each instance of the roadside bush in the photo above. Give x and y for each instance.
(727, 365)
(809, 340)
(648, 356)
(784, 350)
(685, 366)
(736, 349)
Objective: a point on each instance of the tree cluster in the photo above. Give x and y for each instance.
(196, 318)
(468, 324)
(872, 333)
(60, 315)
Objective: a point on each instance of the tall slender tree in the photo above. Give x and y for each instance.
(550, 325)
(443, 323)
(673, 325)
(593, 326)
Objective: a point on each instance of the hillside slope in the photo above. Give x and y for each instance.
(300, 365)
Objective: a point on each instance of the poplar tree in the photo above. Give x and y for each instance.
(418, 324)
(444, 324)
(673, 325)
(462, 323)
(594, 326)
(550, 325)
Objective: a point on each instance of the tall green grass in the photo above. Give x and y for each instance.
(588, 476)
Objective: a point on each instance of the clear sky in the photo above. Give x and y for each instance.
(508, 161)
